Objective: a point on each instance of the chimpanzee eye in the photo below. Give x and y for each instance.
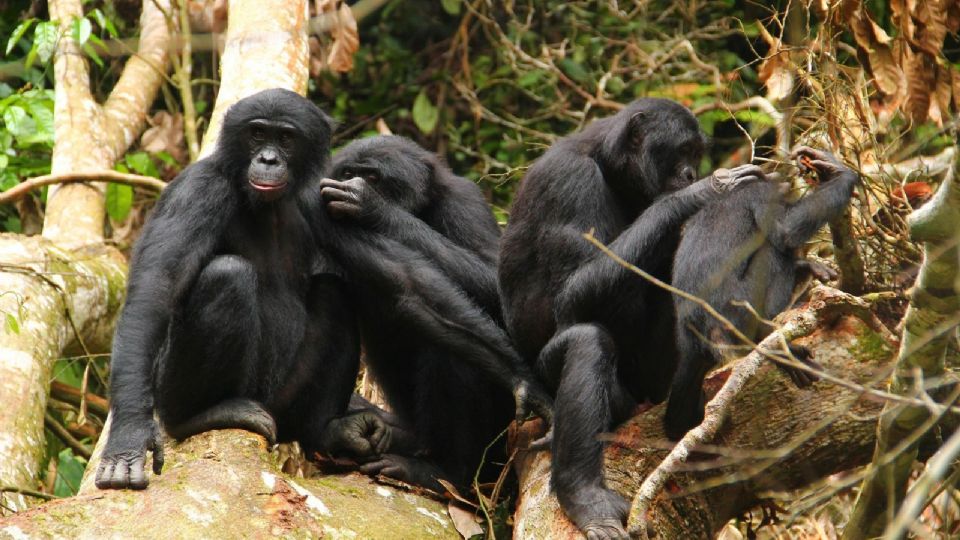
(286, 139)
(256, 133)
(346, 174)
(371, 177)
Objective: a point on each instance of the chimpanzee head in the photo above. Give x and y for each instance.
(650, 147)
(272, 142)
(398, 168)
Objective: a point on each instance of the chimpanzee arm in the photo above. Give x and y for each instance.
(826, 202)
(462, 243)
(641, 244)
(179, 237)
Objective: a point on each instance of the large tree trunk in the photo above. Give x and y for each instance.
(775, 437)
(223, 484)
(70, 287)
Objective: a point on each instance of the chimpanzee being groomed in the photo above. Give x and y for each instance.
(233, 317)
(419, 243)
(738, 250)
(601, 336)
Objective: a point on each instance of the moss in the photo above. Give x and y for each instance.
(870, 347)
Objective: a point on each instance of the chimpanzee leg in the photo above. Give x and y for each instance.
(686, 403)
(589, 401)
(210, 356)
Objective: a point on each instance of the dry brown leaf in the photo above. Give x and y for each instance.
(921, 74)
(207, 15)
(942, 94)
(930, 24)
(346, 40)
(464, 520)
(886, 72)
(774, 70)
(165, 135)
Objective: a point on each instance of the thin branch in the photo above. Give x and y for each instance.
(28, 493)
(64, 435)
(116, 177)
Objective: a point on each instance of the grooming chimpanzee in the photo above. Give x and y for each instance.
(601, 336)
(419, 243)
(741, 249)
(233, 317)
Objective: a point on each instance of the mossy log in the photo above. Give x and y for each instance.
(224, 484)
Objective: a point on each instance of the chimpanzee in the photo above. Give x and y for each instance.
(419, 244)
(741, 249)
(233, 318)
(601, 336)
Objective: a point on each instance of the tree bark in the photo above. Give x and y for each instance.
(775, 437)
(223, 484)
(68, 285)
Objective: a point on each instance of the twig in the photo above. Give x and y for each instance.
(184, 70)
(71, 394)
(61, 432)
(115, 177)
(28, 493)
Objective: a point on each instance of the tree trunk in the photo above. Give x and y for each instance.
(70, 286)
(775, 437)
(223, 484)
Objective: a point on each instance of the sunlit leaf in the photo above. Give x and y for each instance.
(18, 33)
(425, 115)
(45, 40)
(12, 325)
(18, 122)
(119, 201)
(80, 30)
(451, 6)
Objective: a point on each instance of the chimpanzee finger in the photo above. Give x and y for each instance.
(383, 445)
(336, 194)
(104, 473)
(543, 443)
(340, 209)
(157, 454)
(121, 475)
(138, 479)
(374, 467)
(748, 169)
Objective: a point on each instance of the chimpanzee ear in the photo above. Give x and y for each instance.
(633, 135)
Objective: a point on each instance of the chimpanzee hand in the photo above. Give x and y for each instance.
(801, 378)
(353, 199)
(823, 163)
(531, 398)
(361, 435)
(122, 462)
(406, 469)
(724, 180)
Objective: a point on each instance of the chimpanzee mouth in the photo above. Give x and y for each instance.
(268, 186)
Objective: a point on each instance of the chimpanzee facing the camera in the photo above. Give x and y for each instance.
(601, 336)
(742, 249)
(419, 243)
(233, 317)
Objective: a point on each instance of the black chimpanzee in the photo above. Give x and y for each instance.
(419, 243)
(601, 336)
(741, 249)
(233, 317)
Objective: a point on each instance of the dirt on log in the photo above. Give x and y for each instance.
(223, 484)
(776, 437)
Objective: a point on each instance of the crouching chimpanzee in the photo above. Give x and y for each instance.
(419, 244)
(742, 249)
(601, 336)
(233, 317)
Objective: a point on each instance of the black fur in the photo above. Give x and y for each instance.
(233, 317)
(601, 336)
(420, 245)
(743, 248)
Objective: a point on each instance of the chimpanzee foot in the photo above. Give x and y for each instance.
(599, 512)
(801, 378)
(238, 413)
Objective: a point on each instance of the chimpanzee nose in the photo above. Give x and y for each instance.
(268, 157)
(688, 174)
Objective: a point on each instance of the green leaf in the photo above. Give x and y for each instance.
(69, 473)
(45, 40)
(141, 163)
(425, 115)
(13, 326)
(19, 122)
(80, 30)
(93, 54)
(451, 6)
(4, 161)
(119, 201)
(105, 23)
(574, 70)
(18, 33)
